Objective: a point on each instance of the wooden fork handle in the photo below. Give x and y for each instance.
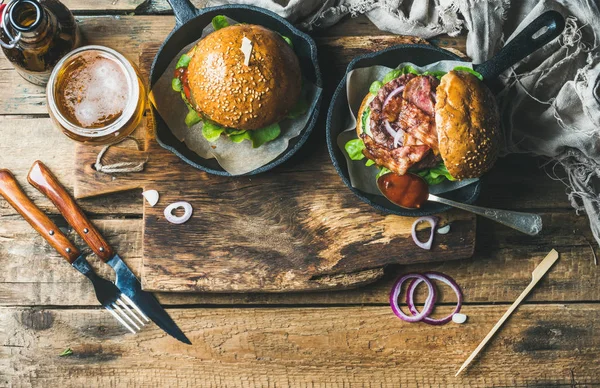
(11, 191)
(42, 179)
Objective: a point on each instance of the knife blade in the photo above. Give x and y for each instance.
(42, 179)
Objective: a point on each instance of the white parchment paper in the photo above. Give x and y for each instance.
(358, 82)
(235, 158)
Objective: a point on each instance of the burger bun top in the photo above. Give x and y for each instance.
(226, 91)
(468, 125)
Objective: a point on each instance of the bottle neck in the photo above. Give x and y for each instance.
(30, 19)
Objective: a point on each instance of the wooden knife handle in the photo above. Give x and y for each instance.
(42, 179)
(11, 191)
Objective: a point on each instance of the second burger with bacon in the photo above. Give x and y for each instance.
(437, 125)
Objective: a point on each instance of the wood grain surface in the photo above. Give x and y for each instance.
(541, 346)
(288, 230)
(320, 339)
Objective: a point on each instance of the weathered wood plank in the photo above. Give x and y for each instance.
(25, 140)
(541, 345)
(107, 6)
(34, 274)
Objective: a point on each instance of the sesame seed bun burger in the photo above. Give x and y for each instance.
(437, 125)
(240, 81)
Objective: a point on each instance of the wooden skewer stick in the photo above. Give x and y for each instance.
(536, 275)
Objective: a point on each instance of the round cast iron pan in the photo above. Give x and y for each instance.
(541, 31)
(188, 28)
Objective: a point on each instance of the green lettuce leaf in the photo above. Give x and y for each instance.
(184, 61)
(409, 69)
(239, 137)
(364, 117)
(264, 135)
(469, 70)
(211, 131)
(392, 75)
(354, 149)
(436, 175)
(67, 352)
(192, 118)
(369, 163)
(232, 131)
(398, 72)
(288, 40)
(437, 74)
(219, 22)
(375, 86)
(176, 85)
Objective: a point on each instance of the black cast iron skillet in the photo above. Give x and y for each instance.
(188, 28)
(541, 31)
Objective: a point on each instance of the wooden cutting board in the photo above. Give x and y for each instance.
(294, 228)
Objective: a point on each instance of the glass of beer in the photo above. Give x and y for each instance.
(96, 95)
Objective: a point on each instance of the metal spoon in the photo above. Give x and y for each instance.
(410, 191)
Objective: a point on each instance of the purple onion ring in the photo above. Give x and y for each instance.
(394, 92)
(410, 292)
(433, 222)
(398, 138)
(429, 302)
(389, 128)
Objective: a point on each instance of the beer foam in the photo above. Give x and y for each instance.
(96, 91)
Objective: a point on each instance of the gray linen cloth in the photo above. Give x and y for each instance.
(551, 101)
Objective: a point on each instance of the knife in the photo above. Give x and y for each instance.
(42, 179)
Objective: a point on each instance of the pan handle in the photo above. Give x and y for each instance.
(184, 10)
(542, 30)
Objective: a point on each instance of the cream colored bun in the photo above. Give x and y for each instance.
(234, 95)
(468, 125)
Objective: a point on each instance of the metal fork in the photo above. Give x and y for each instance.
(110, 297)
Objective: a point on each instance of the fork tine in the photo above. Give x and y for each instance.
(124, 315)
(118, 318)
(131, 312)
(125, 297)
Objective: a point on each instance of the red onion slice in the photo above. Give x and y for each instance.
(394, 92)
(410, 292)
(390, 129)
(398, 138)
(172, 218)
(433, 222)
(427, 308)
(395, 134)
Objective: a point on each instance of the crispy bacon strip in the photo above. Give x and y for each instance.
(421, 92)
(398, 160)
(413, 121)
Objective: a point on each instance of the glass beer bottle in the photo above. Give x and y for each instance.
(35, 35)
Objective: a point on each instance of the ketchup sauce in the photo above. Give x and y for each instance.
(407, 191)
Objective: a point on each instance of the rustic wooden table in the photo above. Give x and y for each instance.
(346, 338)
